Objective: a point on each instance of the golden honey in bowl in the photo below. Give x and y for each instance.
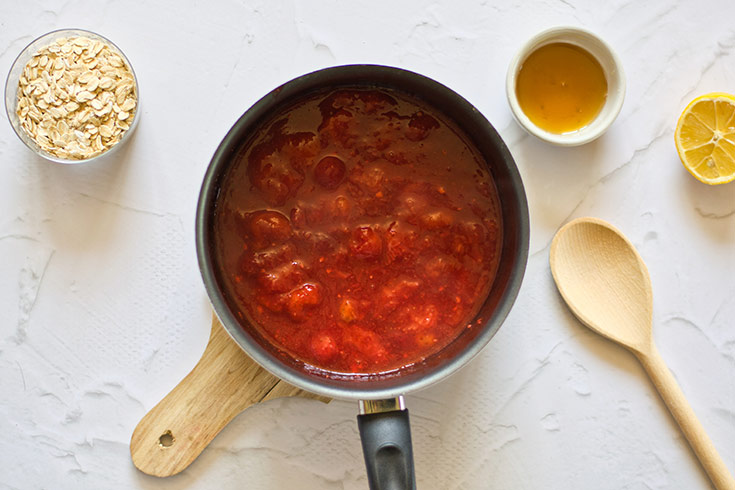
(561, 87)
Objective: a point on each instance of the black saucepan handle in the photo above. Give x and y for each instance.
(386, 444)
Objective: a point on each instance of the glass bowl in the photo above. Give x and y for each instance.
(13, 80)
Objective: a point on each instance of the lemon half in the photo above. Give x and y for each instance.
(705, 138)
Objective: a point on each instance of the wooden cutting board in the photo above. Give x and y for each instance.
(224, 382)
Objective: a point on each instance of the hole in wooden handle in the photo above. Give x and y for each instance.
(167, 439)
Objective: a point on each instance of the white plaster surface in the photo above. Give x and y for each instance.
(102, 309)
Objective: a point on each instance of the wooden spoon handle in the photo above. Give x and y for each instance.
(679, 407)
(224, 382)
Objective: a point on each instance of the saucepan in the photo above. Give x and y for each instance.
(383, 419)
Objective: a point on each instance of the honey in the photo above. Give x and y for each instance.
(561, 87)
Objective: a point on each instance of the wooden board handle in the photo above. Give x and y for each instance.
(224, 382)
(690, 425)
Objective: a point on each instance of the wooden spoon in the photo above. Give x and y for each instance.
(606, 285)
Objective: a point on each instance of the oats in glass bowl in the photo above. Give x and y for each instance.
(72, 96)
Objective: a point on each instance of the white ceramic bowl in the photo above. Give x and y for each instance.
(611, 66)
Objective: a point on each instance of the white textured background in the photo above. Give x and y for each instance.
(102, 310)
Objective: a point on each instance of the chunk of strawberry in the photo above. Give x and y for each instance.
(270, 169)
(272, 302)
(323, 346)
(425, 317)
(411, 204)
(268, 228)
(367, 347)
(440, 266)
(400, 242)
(348, 310)
(329, 172)
(253, 262)
(282, 278)
(303, 299)
(365, 243)
(341, 207)
(436, 219)
(395, 293)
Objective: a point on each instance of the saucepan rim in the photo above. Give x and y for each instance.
(376, 76)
